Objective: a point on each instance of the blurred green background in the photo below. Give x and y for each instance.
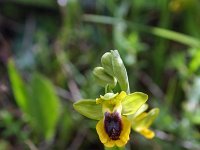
(48, 49)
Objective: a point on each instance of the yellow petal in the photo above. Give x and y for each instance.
(120, 143)
(149, 134)
(126, 129)
(121, 96)
(101, 132)
(110, 143)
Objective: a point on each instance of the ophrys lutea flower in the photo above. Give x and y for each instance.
(112, 111)
(116, 113)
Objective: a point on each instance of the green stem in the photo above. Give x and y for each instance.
(115, 148)
(108, 89)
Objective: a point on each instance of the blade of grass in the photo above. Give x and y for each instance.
(164, 33)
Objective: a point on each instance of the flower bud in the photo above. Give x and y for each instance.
(119, 71)
(106, 61)
(103, 78)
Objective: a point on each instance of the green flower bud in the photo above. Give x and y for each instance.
(120, 71)
(103, 78)
(106, 61)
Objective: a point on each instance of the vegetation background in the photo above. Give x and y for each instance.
(48, 49)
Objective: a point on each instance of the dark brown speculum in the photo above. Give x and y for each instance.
(113, 125)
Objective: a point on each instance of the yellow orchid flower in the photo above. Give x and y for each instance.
(116, 113)
(111, 110)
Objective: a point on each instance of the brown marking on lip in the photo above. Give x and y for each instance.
(113, 125)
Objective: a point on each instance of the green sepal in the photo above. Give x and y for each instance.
(89, 108)
(145, 121)
(102, 78)
(120, 71)
(132, 102)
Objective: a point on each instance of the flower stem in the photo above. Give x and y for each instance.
(114, 148)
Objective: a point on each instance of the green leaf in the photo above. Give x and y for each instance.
(133, 102)
(194, 64)
(89, 108)
(44, 105)
(18, 87)
(37, 100)
(65, 126)
(147, 120)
